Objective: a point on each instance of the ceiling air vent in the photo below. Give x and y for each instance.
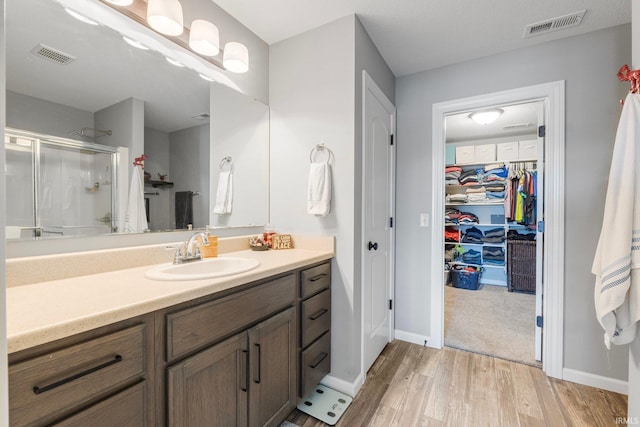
(51, 54)
(553, 24)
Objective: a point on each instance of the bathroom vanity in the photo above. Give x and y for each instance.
(239, 350)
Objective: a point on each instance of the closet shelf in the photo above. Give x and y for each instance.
(492, 203)
(161, 184)
(477, 265)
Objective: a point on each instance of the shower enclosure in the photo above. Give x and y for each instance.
(58, 187)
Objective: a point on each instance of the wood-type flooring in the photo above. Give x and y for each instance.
(411, 385)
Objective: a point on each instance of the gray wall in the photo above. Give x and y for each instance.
(189, 152)
(589, 64)
(50, 118)
(315, 88)
(156, 148)
(126, 122)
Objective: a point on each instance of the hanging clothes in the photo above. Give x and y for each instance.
(616, 264)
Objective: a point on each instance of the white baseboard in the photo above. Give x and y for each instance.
(343, 386)
(592, 380)
(412, 338)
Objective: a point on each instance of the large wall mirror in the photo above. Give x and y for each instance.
(83, 85)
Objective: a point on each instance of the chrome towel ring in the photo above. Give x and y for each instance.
(224, 161)
(320, 148)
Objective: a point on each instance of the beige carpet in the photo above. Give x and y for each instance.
(491, 321)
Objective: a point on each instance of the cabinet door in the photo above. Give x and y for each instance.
(210, 388)
(272, 345)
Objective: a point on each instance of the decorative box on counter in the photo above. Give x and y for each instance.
(281, 241)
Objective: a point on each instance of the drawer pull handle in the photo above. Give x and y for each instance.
(322, 356)
(244, 378)
(318, 313)
(257, 365)
(318, 277)
(39, 390)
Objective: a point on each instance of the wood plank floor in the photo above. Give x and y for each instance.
(411, 385)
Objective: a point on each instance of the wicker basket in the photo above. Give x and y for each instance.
(521, 266)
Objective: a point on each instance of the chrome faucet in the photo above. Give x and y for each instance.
(190, 250)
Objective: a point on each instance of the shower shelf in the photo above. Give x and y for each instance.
(161, 184)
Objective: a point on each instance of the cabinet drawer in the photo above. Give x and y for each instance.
(316, 317)
(46, 387)
(194, 328)
(315, 279)
(315, 363)
(125, 409)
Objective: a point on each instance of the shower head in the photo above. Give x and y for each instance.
(96, 133)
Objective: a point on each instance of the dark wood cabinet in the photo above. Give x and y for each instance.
(272, 351)
(315, 326)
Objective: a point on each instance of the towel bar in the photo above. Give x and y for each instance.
(226, 160)
(320, 147)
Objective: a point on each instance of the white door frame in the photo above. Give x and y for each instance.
(368, 84)
(553, 96)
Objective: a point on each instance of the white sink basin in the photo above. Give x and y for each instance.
(206, 269)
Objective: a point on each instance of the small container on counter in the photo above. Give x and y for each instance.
(267, 235)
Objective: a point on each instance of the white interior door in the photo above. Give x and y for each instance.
(539, 234)
(377, 275)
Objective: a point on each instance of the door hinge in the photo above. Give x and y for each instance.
(541, 226)
(539, 321)
(390, 304)
(391, 138)
(391, 222)
(542, 131)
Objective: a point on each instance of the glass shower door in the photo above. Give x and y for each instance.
(75, 191)
(20, 190)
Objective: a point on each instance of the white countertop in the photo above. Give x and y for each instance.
(46, 311)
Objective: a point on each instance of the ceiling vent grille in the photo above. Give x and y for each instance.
(554, 24)
(53, 55)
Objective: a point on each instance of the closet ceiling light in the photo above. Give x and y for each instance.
(486, 117)
(204, 38)
(165, 16)
(236, 57)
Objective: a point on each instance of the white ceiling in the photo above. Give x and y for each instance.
(418, 35)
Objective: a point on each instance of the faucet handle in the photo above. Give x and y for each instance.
(180, 252)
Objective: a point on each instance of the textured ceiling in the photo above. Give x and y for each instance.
(418, 35)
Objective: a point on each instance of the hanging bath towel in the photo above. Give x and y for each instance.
(224, 194)
(319, 189)
(184, 209)
(136, 219)
(617, 260)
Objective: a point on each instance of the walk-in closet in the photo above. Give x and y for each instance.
(493, 231)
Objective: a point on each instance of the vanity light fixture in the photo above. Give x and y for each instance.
(121, 2)
(165, 16)
(236, 57)
(486, 117)
(204, 38)
(134, 43)
(80, 17)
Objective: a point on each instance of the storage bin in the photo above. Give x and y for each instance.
(507, 151)
(521, 266)
(450, 154)
(485, 153)
(463, 278)
(497, 219)
(466, 154)
(528, 150)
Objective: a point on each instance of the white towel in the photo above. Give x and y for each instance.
(617, 260)
(319, 189)
(136, 219)
(224, 194)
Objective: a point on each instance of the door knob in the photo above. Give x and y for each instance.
(373, 246)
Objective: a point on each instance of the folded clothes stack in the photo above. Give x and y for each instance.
(469, 177)
(467, 218)
(451, 175)
(493, 255)
(495, 235)
(456, 198)
(451, 216)
(472, 235)
(451, 234)
(514, 235)
(472, 257)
